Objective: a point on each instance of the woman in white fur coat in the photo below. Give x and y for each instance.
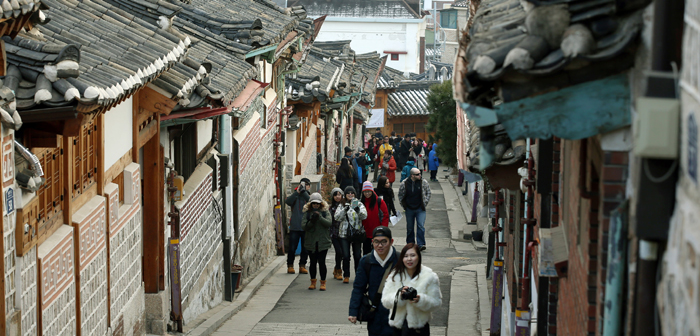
(411, 317)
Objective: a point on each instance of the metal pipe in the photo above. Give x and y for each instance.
(614, 283)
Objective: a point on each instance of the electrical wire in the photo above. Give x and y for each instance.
(663, 177)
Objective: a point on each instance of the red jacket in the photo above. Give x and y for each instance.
(392, 168)
(379, 215)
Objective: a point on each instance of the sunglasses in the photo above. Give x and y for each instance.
(416, 174)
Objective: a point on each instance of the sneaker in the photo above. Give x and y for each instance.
(422, 248)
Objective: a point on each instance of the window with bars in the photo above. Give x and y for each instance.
(84, 159)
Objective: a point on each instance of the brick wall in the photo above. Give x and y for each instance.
(200, 244)
(256, 199)
(124, 232)
(578, 291)
(27, 281)
(89, 224)
(57, 280)
(9, 255)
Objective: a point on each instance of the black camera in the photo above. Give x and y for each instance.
(409, 294)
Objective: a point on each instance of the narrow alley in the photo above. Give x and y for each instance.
(284, 305)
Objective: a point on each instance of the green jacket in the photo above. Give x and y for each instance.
(317, 231)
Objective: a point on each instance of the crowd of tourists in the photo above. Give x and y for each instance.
(393, 292)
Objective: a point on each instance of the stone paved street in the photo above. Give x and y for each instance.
(284, 305)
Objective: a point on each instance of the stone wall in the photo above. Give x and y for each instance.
(57, 292)
(256, 198)
(678, 299)
(27, 281)
(124, 232)
(89, 224)
(201, 253)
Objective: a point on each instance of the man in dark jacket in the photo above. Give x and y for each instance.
(383, 258)
(403, 151)
(297, 200)
(414, 195)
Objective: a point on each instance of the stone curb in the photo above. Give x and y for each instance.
(209, 326)
(479, 246)
(483, 306)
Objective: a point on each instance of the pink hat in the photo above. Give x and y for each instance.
(367, 186)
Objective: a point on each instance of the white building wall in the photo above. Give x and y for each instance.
(119, 123)
(379, 35)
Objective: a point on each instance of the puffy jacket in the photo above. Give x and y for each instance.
(379, 215)
(390, 169)
(369, 283)
(297, 202)
(427, 284)
(317, 230)
(433, 163)
(348, 216)
(406, 172)
(344, 180)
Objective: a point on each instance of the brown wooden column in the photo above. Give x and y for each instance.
(148, 106)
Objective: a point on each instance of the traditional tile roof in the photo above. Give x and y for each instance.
(222, 33)
(316, 78)
(409, 99)
(394, 9)
(461, 3)
(516, 36)
(390, 78)
(91, 54)
(369, 66)
(16, 9)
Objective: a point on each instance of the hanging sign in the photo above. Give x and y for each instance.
(9, 201)
(376, 119)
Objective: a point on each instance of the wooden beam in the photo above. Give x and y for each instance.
(146, 133)
(40, 139)
(116, 169)
(152, 216)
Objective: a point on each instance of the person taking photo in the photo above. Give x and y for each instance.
(411, 293)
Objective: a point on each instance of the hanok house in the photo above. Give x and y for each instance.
(404, 106)
(557, 91)
(222, 141)
(83, 256)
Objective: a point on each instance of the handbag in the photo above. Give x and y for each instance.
(355, 235)
(368, 308)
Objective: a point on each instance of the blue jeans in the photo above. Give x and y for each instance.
(356, 255)
(418, 217)
(294, 238)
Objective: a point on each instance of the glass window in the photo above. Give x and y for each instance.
(448, 19)
(394, 57)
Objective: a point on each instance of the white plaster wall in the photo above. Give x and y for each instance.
(204, 129)
(118, 125)
(376, 35)
(290, 151)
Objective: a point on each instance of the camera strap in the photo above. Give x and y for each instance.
(396, 300)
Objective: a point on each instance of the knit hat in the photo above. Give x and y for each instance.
(349, 189)
(348, 149)
(367, 186)
(335, 190)
(315, 198)
(360, 150)
(381, 231)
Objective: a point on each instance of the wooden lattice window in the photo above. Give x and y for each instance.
(42, 215)
(84, 158)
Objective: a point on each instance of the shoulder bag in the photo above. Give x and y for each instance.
(368, 307)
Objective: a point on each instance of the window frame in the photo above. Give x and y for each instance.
(448, 19)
